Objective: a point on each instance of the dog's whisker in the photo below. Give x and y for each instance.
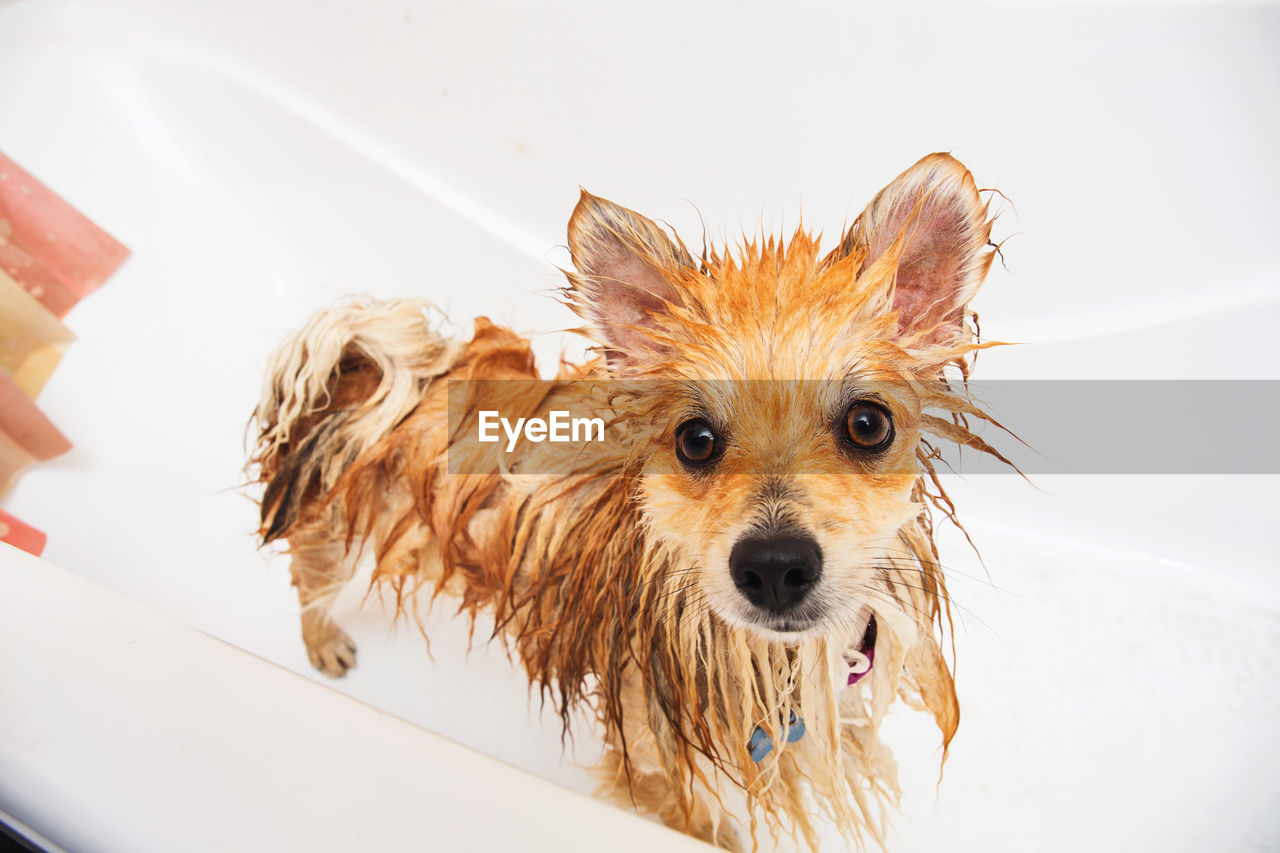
(947, 569)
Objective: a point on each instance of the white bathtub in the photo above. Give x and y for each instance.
(1119, 674)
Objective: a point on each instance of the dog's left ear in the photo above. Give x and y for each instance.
(932, 218)
(621, 285)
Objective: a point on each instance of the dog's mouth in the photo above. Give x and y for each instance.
(859, 656)
(788, 627)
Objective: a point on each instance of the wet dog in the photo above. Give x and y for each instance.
(735, 572)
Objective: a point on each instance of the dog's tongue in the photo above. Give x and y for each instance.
(861, 659)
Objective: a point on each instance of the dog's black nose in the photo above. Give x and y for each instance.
(775, 573)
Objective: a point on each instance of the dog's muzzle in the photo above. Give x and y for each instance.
(775, 573)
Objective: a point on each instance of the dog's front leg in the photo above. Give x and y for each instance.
(642, 783)
(649, 791)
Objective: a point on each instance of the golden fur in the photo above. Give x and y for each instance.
(607, 576)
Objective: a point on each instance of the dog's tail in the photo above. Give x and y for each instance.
(335, 388)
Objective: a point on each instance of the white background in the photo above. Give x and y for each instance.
(1119, 680)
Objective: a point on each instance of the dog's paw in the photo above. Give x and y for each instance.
(331, 650)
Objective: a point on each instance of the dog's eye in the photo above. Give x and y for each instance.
(695, 442)
(869, 426)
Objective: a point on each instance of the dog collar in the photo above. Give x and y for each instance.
(761, 744)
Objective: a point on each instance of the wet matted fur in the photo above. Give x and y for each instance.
(609, 576)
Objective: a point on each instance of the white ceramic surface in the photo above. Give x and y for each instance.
(1119, 673)
(130, 731)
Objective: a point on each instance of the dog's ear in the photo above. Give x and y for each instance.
(621, 285)
(933, 221)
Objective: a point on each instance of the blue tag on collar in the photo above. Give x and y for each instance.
(761, 744)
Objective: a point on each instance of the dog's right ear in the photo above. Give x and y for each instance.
(622, 285)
